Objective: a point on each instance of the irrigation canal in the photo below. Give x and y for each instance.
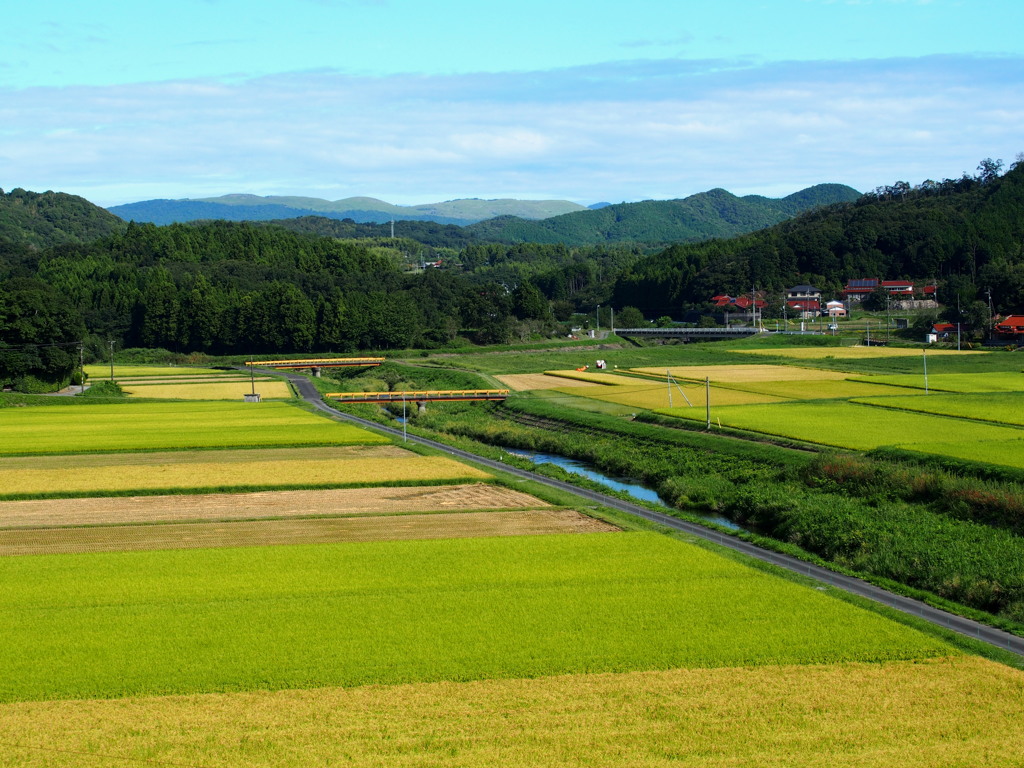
(950, 621)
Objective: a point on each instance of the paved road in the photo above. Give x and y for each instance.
(908, 605)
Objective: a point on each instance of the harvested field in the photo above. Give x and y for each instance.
(952, 712)
(739, 374)
(261, 533)
(43, 513)
(209, 390)
(528, 381)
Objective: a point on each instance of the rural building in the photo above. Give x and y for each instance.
(836, 308)
(943, 331)
(803, 293)
(745, 307)
(1011, 328)
(857, 290)
(900, 288)
(804, 308)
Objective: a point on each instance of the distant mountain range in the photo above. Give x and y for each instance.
(360, 209)
(716, 213)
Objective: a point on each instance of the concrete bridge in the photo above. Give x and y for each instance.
(692, 334)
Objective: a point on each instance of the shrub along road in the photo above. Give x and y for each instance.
(964, 626)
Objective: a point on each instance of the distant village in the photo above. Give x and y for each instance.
(805, 302)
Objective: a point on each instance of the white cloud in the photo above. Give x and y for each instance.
(630, 130)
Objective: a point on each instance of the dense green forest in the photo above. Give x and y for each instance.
(42, 219)
(967, 233)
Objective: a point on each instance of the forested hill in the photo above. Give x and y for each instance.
(968, 231)
(712, 214)
(42, 219)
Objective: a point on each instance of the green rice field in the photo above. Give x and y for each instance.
(162, 426)
(121, 624)
(999, 407)
(1007, 454)
(990, 381)
(852, 425)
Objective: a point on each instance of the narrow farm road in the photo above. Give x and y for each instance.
(950, 621)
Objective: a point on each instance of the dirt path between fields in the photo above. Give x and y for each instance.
(261, 533)
(119, 510)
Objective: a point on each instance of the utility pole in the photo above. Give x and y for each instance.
(959, 319)
(81, 367)
(111, 361)
(991, 315)
(252, 375)
(598, 317)
(707, 400)
(924, 354)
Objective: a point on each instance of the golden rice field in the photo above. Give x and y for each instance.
(398, 466)
(962, 711)
(849, 353)
(263, 533)
(218, 507)
(131, 371)
(192, 379)
(595, 377)
(209, 390)
(653, 396)
(740, 374)
(134, 426)
(522, 382)
(819, 390)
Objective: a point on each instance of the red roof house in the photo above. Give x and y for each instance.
(1010, 326)
(899, 287)
(805, 307)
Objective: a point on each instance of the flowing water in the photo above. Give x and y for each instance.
(624, 484)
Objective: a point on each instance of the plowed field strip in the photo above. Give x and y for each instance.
(248, 506)
(83, 460)
(260, 533)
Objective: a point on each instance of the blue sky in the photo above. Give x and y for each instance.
(424, 101)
